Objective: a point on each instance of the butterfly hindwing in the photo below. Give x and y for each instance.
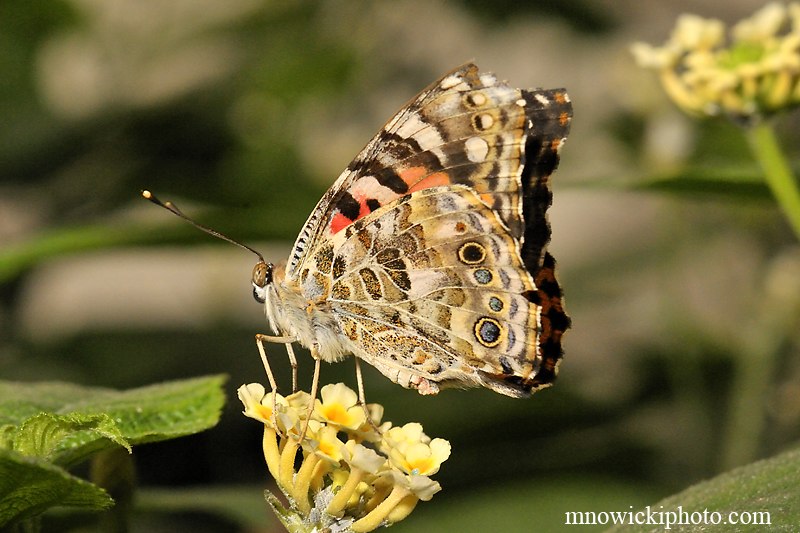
(428, 287)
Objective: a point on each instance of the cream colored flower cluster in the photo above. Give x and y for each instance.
(755, 73)
(353, 476)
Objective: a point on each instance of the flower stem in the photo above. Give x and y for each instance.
(777, 172)
(286, 468)
(303, 481)
(403, 509)
(339, 501)
(374, 518)
(272, 454)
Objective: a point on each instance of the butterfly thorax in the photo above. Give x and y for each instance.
(293, 312)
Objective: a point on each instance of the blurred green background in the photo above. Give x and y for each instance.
(684, 356)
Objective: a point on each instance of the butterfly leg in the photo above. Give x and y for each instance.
(293, 363)
(314, 388)
(260, 340)
(362, 399)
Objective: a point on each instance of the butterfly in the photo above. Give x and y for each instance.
(427, 257)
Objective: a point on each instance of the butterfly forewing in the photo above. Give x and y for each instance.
(467, 128)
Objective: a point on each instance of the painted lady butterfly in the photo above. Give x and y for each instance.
(427, 258)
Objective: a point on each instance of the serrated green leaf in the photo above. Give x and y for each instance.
(19, 401)
(146, 414)
(49, 436)
(49, 425)
(771, 486)
(30, 485)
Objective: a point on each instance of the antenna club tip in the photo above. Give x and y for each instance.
(147, 194)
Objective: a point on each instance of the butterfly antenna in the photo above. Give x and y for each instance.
(172, 208)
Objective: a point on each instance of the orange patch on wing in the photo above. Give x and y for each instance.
(434, 180)
(412, 175)
(363, 208)
(488, 199)
(339, 222)
(563, 118)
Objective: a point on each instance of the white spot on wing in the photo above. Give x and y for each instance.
(485, 121)
(488, 79)
(478, 99)
(449, 82)
(477, 149)
(369, 187)
(425, 135)
(542, 99)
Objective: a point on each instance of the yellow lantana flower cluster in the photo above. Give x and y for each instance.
(755, 73)
(353, 476)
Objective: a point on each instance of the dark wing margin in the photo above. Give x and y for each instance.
(549, 114)
(554, 322)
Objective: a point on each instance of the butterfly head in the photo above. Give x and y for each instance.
(262, 278)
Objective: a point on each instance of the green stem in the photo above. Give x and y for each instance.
(784, 186)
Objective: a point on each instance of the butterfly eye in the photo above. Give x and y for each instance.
(262, 276)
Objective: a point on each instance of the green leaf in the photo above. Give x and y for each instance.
(47, 435)
(47, 426)
(29, 486)
(109, 417)
(771, 486)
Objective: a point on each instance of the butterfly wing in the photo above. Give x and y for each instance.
(430, 292)
(466, 128)
(470, 156)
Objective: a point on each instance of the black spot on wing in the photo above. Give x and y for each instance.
(339, 267)
(347, 205)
